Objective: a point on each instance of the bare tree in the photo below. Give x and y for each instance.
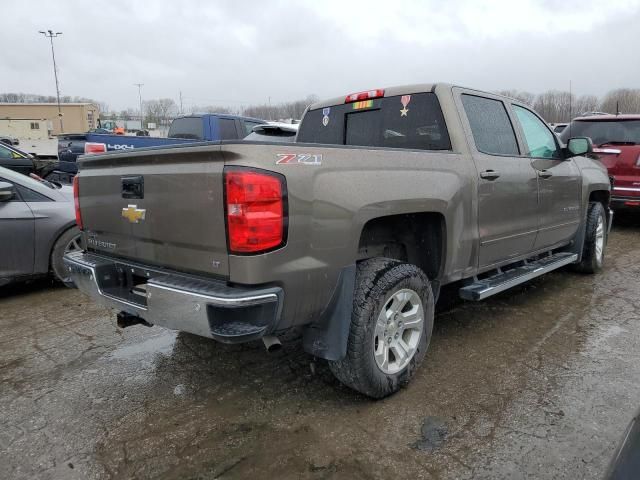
(212, 109)
(159, 111)
(584, 104)
(524, 97)
(623, 100)
(280, 111)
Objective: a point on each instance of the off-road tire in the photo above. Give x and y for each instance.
(57, 252)
(376, 281)
(590, 262)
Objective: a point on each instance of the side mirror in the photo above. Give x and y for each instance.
(577, 146)
(6, 191)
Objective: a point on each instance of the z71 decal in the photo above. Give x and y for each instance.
(298, 159)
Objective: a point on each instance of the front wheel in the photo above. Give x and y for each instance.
(595, 240)
(391, 326)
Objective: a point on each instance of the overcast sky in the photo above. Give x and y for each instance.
(239, 52)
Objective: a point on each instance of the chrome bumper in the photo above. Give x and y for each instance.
(204, 307)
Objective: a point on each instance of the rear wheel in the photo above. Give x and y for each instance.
(390, 329)
(69, 241)
(595, 240)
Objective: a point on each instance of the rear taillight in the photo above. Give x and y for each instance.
(356, 97)
(92, 147)
(76, 201)
(256, 210)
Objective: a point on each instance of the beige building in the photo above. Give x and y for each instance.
(25, 128)
(76, 117)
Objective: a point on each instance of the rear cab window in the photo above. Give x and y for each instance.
(602, 131)
(404, 121)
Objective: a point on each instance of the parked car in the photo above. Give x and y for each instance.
(347, 234)
(617, 143)
(183, 130)
(16, 160)
(558, 128)
(9, 140)
(273, 132)
(37, 227)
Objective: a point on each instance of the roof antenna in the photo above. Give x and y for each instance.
(570, 114)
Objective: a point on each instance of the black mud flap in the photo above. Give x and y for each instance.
(327, 338)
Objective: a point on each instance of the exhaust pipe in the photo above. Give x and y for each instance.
(271, 343)
(125, 320)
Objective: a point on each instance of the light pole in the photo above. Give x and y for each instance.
(139, 85)
(50, 35)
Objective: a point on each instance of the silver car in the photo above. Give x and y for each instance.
(37, 227)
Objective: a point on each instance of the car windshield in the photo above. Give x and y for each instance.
(604, 131)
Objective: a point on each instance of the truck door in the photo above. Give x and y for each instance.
(507, 183)
(558, 181)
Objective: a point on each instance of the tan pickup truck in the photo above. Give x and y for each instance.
(349, 232)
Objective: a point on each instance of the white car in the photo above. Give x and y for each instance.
(273, 132)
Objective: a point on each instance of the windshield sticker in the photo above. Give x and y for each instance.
(405, 99)
(363, 104)
(299, 159)
(325, 116)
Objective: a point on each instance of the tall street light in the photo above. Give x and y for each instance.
(139, 85)
(50, 35)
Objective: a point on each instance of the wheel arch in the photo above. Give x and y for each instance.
(419, 238)
(54, 238)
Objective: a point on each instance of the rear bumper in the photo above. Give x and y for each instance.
(205, 307)
(625, 197)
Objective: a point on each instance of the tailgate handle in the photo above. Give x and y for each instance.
(133, 187)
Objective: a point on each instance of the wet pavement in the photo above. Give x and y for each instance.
(538, 382)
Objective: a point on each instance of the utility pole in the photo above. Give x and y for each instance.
(139, 85)
(181, 111)
(50, 35)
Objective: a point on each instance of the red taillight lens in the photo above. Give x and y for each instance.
(356, 97)
(76, 201)
(255, 210)
(92, 147)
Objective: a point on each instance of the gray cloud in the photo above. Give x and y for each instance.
(233, 53)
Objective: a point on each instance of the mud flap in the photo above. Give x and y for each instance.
(327, 338)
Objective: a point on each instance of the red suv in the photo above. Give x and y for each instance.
(616, 140)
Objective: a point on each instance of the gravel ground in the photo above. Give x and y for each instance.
(538, 382)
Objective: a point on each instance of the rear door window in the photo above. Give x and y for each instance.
(490, 125)
(227, 129)
(187, 127)
(404, 121)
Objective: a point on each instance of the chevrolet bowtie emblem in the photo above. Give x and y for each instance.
(133, 213)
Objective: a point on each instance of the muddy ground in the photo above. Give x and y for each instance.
(538, 382)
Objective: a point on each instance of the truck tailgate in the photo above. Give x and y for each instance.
(175, 220)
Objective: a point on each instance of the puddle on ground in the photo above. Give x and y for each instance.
(433, 433)
(160, 344)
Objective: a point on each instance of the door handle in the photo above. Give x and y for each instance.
(544, 174)
(489, 174)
